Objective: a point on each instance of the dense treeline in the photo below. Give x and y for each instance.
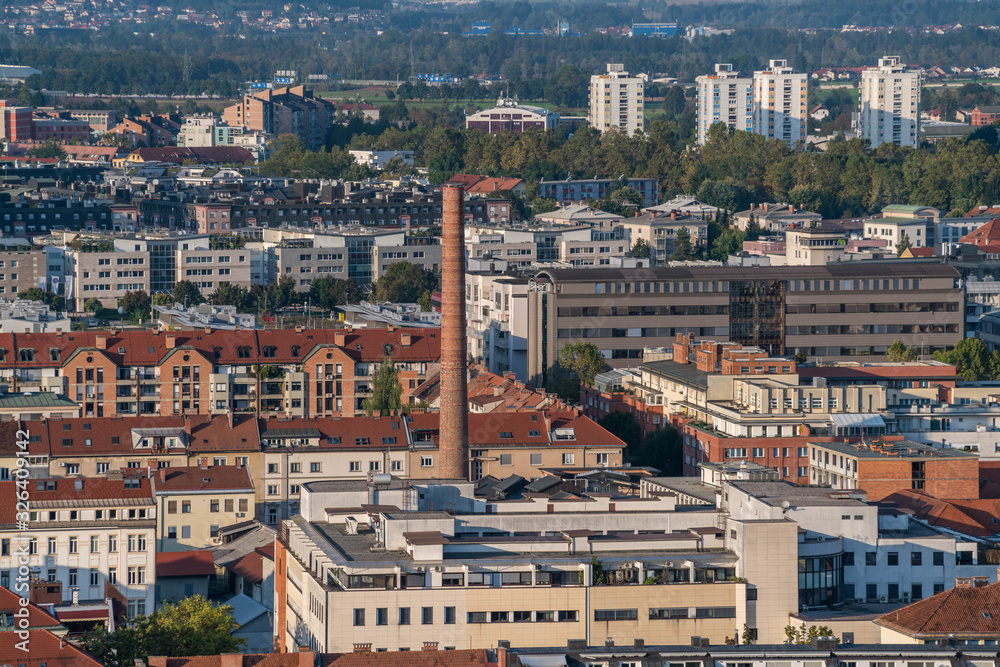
(175, 60)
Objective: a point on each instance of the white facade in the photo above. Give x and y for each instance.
(724, 97)
(88, 540)
(616, 101)
(779, 103)
(497, 312)
(890, 104)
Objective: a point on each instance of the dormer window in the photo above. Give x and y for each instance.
(295, 350)
(269, 352)
(3, 354)
(243, 352)
(217, 352)
(27, 355)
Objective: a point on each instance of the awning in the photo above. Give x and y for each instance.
(542, 660)
(858, 421)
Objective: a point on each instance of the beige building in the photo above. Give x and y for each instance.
(779, 103)
(194, 502)
(104, 274)
(724, 97)
(890, 104)
(21, 270)
(616, 101)
(814, 246)
(600, 568)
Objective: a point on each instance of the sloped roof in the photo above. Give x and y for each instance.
(47, 649)
(965, 612)
(250, 567)
(987, 235)
(179, 155)
(194, 563)
(38, 618)
(975, 517)
(209, 478)
(457, 658)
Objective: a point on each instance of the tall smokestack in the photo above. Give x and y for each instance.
(454, 400)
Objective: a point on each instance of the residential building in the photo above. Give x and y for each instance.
(899, 231)
(181, 574)
(779, 103)
(287, 110)
(801, 309)
(775, 217)
(498, 322)
(15, 122)
(585, 577)
(724, 97)
(580, 191)
(194, 502)
(616, 101)
(686, 205)
(378, 160)
(659, 230)
(510, 116)
(890, 104)
(89, 533)
(984, 115)
(962, 615)
(883, 468)
(59, 130)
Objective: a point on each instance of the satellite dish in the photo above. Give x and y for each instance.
(785, 504)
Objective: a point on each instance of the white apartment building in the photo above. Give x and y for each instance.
(724, 97)
(890, 104)
(616, 101)
(497, 313)
(85, 533)
(779, 103)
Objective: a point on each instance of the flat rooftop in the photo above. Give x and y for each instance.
(774, 493)
(901, 449)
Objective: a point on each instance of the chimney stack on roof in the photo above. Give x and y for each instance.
(338, 338)
(454, 400)
(101, 342)
(171, 341)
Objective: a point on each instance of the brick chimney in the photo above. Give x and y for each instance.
(404, 339)
(171, 341)
(362, 648)
(454, 395)
(307, 658)
(163, 474)
(503, 646)
(430, 646)
(231, 660)
(338, 338)
(101, 342)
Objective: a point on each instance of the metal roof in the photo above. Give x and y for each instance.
(44, 399)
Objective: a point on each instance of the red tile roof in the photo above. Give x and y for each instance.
(210, 478)
(963, 612)
(250, 567)
(38, 618)
(991, 210)
(973, 517)
(249, 660)
(490, 184)
(193, 563)
(215, 434)
(93, 488)
(203, 154)
(987, 236)
(46, 648)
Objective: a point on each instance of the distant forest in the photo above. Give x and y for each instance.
(191, 60)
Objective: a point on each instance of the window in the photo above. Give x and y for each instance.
(185, 507)
(112, 544)
(506, 460)
(359, 617)
(404, 615)
(478, 617)
(449, 616)
(715, 612)
(522, 617)
(545, 616)
(272, 468)
(95, 544)
(916, 558)
(315, 467)
(938, 558)
(616, 614)
(427, 615)
(871, 558)
(499, 617)
(113, 575)
(426, 461)
(73, 576)
(355, 466)
(536, 459)
(73, 545)
(567, 459)
(95, 577)
(893, 558)
(213, 506)
(381, 616)
(568, 615)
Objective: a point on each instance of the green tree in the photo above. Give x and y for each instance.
(730, 242)
(193, 626)
(682, 246)
(623, 426)
(387, 392)
(641, 249)
(674, 101)
(403, 282)
(753, 230)
(804, 635)
(661, 449)
(47, 150)
(51, 299)
(972, 361)
(583, 360)
(540, 206)
(163, 299)
(136, 305)
(903, 244)
(328, 292)
(92, 305)
(898, 352)
(228, 294)
(425, 302)
(187, 294)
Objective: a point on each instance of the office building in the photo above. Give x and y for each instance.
(511, 116)
(832, 312)
(890, 104)
(779, 103)
(724, 97)
(616, 101)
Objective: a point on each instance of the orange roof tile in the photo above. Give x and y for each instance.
(38, 618)
(209, 478)
(987, 235)
(965, 612)
(47, 649)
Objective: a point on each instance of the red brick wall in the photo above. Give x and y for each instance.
(947, 479)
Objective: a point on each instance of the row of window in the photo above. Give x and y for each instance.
(135, 544)
(214, 505)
